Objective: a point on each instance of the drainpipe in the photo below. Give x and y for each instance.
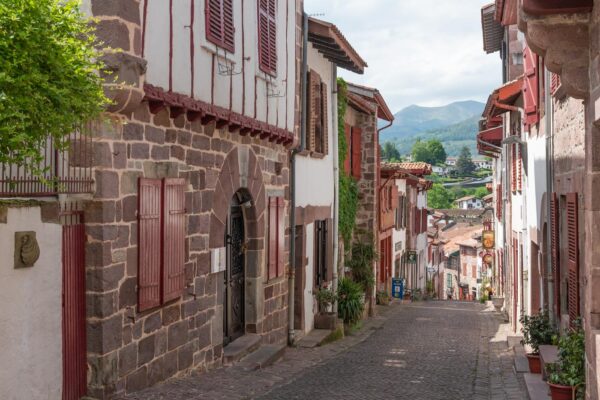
(336, 182)
(294, 153)
(549, 190)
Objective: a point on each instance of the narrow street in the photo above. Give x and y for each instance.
(424, 350)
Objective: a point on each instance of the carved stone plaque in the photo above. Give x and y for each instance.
(27, 250)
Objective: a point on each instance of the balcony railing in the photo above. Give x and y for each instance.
(67, 171)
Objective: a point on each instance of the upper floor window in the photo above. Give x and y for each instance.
(219, 23)
(267, 36)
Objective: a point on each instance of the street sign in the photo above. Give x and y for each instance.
(431, 270)
(397, 288)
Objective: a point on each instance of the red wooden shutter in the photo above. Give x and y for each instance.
(280, 235)
(417, 220)
(150, 243)
(499, 202)
(314, 109)
(423, 220)
(272, 273)
(356, 152)
(395, 197)
(347, 164)
(519, 169)
(220, 28)
(324, 119)
(174, 238)
(530, 87)
(573, 256)
(267, 36)
(513, 175)
(555, 251)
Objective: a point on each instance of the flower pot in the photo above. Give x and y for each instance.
(325, 321)
(535, 367)
(560, 392)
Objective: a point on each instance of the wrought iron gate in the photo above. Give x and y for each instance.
(234, 321)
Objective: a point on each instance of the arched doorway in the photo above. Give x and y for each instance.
(234, 312)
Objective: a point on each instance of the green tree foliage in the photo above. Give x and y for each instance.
(464, 164)
(389, 152)
(49, 82)
(431, 151)
(440, 198)
(347, 185)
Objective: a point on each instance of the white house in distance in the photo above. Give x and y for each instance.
(451, 161)
(482, 163)
(469, 203)
(316, 177)
(439, 169)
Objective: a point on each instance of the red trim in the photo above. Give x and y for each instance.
(243, 64)
(192, 20)
(170, 45)
(287, 60)
(212, 81)
(209, 112)
(549, 7)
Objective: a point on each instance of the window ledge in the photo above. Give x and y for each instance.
(320, 156)
(219, 52)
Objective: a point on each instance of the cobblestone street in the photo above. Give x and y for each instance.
(428, 350)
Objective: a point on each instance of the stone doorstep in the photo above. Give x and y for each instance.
(240, 348)
(514, 340)
(521, 363)
(314, 338)
(536, 387)
(263, 357)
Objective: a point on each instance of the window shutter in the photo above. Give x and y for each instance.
(555, 251)
(329, 267)
(347, 164)
(324, 119)
(267, 36)
(499, 202)
(314, 87)
(513, 177)
(423, 220)
(519, 169)
(280, 235)
(530, 86)
(356, 152)
(272, 273)
(174, 238)
(395, 197)
(318, 116)
(220, 28)
(573, 256)
(417, 220)
(149, 243)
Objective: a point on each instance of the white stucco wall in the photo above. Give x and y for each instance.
(314, 176)
(398, 236)
(309, 301)
(31, 315)
(212, 84)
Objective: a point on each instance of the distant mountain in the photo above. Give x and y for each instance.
(455, 125)
(414, 119)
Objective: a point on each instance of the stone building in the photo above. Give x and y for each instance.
(180, 197)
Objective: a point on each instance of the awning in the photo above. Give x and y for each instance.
(329, 41)
(372, 95)
(493, 31)
(506, 12)
(502, 99)
(550, 7)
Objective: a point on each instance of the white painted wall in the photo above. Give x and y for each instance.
(398, 235)
(309, 300)
(236, 91)
(31, 314)
(314, 176)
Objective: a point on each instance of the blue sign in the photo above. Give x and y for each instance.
(397, 288)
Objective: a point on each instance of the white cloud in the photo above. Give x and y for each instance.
(426, 52)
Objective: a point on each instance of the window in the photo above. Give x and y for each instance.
(572, 257)
(220, 29)
(320, 261)
(449, 281)
(276, 237)
(318, 140)
(355, 152)
(161, 219)
(267, 36)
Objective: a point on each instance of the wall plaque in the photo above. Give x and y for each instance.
(27, 250)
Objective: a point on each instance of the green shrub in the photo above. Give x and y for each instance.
(570, 368)
(325, 298)
(362, 256)
(382, 297)
(537, 330)
(350, 301)
(49, 81)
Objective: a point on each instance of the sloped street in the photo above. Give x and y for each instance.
(422, 350)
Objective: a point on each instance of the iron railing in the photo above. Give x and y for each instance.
(65, 171)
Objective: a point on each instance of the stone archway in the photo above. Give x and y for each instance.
(241, 173)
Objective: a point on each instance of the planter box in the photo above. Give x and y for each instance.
(325, 321)
(560, 392)
(535, 366)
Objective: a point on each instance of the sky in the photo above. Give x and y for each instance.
(425, 52)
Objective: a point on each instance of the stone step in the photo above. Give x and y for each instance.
(514, 340)
(536, 387)
(240, 348)
(263, 357)
(521, 363)
(314, 338)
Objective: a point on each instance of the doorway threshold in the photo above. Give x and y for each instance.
(241, 347)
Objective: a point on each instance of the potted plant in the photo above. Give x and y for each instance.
(326, 318)
(383, 298)
(566, 378)
(537, 330)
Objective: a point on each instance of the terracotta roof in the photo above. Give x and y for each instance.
(506, 12)
(493, 31)
(416, 168)
(502, 98)
(469, 243)
(329, 41)
(361, 104)
(373, 95)
(459, 233)
(466, 198)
